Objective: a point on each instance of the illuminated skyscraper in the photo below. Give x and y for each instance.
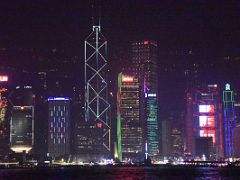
(229, 120)
(204, 121)
(58, 126)
(22, 120)
(4, 123)
(22, 129)
(129, 124)
(144, 61)
(96, 93)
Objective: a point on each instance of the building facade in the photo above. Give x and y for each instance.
(144, 61)
(22, 119)
(129, 123)
(97, 107)
(229, 120)
(205, 118)
(22, 129)
(4, 123)
(58, 126)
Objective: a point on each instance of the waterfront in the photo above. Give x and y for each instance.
(128, 173)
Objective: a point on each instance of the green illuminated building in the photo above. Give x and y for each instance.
(129, 125)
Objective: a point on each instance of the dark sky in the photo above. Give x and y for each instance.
(194, 24)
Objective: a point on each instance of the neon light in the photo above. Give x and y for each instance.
(58, 99)
(206, 108)
(152, 95)
(212, 85)
(99, 124)
(119, 133)
(206, 121)
(146, 42)
(208, 133)
(227, 87)
(127, 78)
(3, 78)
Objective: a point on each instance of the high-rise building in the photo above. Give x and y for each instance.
(177, 143)
(144, 61)
(236, 139)
(22, 120)
(229, 120)
(129, 123)
(22, 129)
(97, 107)
(58, 126)
(206, 120)
(4, 123)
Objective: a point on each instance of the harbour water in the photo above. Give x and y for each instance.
(118, 173)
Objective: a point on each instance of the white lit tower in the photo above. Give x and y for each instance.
(96, 91)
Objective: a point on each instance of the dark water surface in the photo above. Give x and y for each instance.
(116, 173)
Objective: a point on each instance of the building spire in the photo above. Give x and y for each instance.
(96, 14)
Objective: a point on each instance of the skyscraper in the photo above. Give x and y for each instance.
(4, 123)
(229, 120)
(129, 123)
(22, 129)
(96, 93)
(22, 120)
(58, 126)
(144, 61)
(204, 121)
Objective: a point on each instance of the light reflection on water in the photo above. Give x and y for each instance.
(118, 173)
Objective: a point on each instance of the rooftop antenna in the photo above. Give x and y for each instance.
(96, 14)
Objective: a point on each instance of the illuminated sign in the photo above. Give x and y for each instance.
(212, 85)
(99, 124)
(58, 99)
(206, 108)
(227, 87)
(127, 78)
(145, 42)
(150, 95)
(27, 87)
(206, 121)
(208, 133)
(3, 78)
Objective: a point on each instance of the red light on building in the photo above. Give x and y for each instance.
(127, 78)
(99, 124)
(146, 42)
(206, 121)
(3, 78)
(208, 133)
(206, 108)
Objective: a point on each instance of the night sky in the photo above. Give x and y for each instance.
(196, 24)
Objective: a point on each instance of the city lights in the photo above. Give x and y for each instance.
(3, 78)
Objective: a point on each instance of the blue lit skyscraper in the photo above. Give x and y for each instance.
(229, 120)
(58, 126)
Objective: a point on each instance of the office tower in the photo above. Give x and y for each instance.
(58, 126)
(236, 139)
(22, 120)
(177, 143)
(166, 138)
(97, 106)
(206, 120)
(144, 61)
(236, 129)
(22, 129)
(129, 123)
(4, 124)
(229, 120)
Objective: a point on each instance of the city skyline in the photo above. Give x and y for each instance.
(141, 78)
